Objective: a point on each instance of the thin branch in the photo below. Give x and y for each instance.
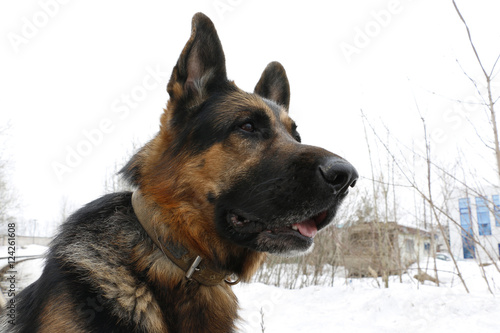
(473, 82)
(371, 163)
(493, 68)
(479, 135)
(381, 182)
(470, 39)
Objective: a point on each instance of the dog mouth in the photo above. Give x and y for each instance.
(307, 228)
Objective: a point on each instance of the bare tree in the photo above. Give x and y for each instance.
(489, 100)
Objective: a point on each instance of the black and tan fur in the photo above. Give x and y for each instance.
(227, 177)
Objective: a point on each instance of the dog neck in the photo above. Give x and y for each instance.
(194, 266)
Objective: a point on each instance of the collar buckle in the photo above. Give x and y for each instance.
(193, 267)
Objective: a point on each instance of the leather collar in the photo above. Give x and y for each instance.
(195, 267)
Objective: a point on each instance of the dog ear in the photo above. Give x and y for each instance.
(273, 84)
(201, 66)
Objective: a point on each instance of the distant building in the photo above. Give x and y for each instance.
(476, 233)
(384, 248)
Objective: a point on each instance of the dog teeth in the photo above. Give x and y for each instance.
(236, 220)
(294, 227)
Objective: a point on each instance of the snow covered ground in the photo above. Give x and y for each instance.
(361, 305)
(364, 305)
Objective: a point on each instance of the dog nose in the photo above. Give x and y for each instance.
(339, 173)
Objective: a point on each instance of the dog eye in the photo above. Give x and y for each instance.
(248, 127)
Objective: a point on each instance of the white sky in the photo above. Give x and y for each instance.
(72, 73)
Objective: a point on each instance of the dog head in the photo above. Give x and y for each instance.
(228, 168)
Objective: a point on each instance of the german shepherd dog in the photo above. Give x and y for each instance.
(225, 181)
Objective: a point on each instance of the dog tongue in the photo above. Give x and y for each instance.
(307, 228)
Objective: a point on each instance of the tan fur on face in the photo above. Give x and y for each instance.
(286, 121)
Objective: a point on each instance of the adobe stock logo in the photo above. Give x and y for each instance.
(224, 6)
(31, 26)
(371, 29)
(121, 108)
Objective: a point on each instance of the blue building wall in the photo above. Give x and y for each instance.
(479, 228)
(483, 217)
(467, 232)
